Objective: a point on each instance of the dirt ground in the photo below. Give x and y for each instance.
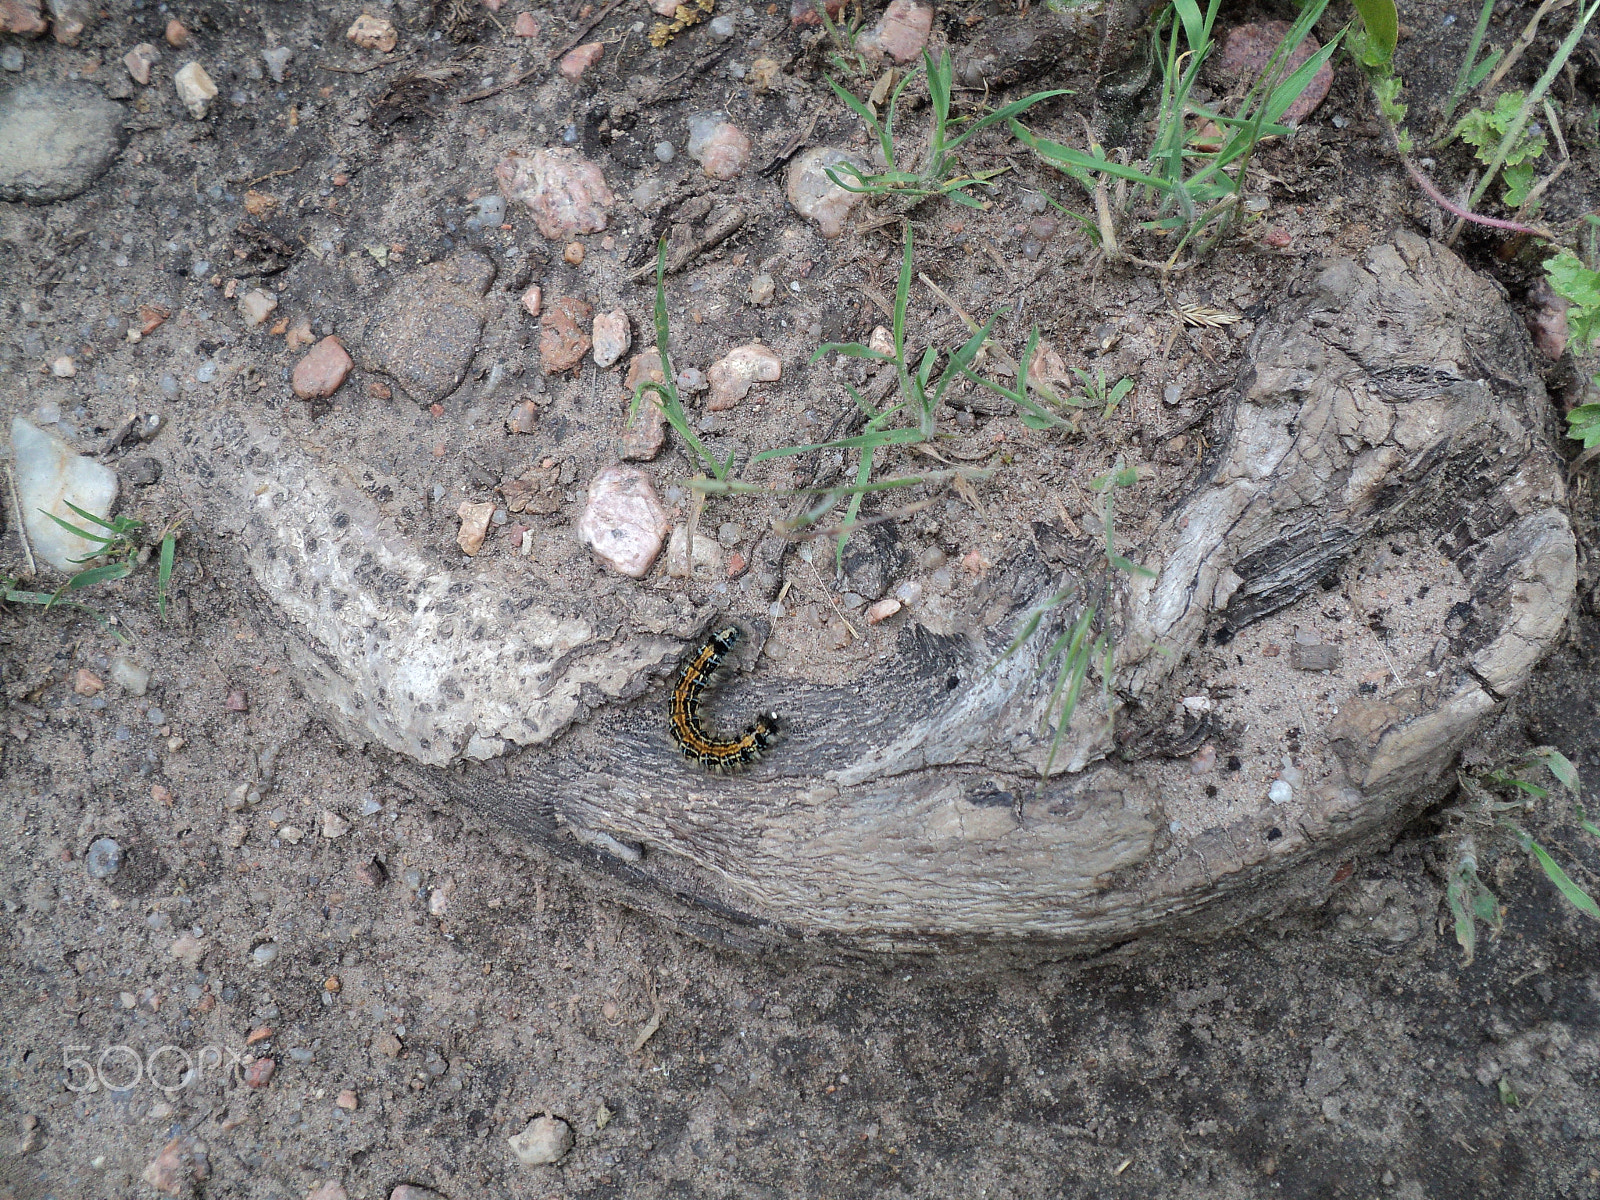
(423, 985)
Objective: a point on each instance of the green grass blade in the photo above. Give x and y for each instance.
(902, 299)
(95, 575)
(1576, 896)
(85, 534)
(1383, 30)
(169, 546)
(1005, 114)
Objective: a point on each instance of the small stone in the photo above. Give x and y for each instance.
(237, 701)
(87, 683)
(623, 522)
(763, 74)
(139, 60)
(882, 610)
(255, 306)
(1204, 760)
(1546, 319)
(882, 341)
(387, 1045)
(707, 554)
(259, 1034)
(817, 197)
(573, 254)
(266, 953)
(63, 368)
(276, 58)
(333, 826)
(410, 1191)
(532, 299)
(1250, 48)
(763, 289)
(1277, 237)
(24, 18)
(526, 26)
(300, 335)
(474, 525)
(103, 859)
(291, 834)
(188, 950)
(259, 1073)
(348, 1100)
(180, 1168)
(901, 32)
(372, 873)
(566, 193)
(55, 140)
(195, 89)
(547, 1139)
(1280, 792)
(579, 59)
(1318, 657)
(176, 35)
(524, 418)
(425, 331)
(439, 897)
(328, 1189)
(665, 152)
(11, 57)
(68, 20)
(373, 33)
(721, 28)
(612, 337)
(732, 377)
(718, 145)
(129, 676)
(562, 340)
(319, 374)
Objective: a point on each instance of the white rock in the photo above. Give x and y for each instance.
(484, 748)
(333, 825)
(707, 553)
(818, 198)
(255, 306)
(881, 340)
(439, 897)
(129, 676)
(1280, 792)
(195, 89)
(63, 368)
(624, 523)
(277, 58)
(612, 337)
(566, 193)
(883, 610)
(49, 475)
(546, 1140)
(732, 377)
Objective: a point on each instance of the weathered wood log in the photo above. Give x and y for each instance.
(1391, 399)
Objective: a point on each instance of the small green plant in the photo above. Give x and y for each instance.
(939, 174)
(1474, 70)
(844, 56)
(1086, 641)
(1485, 129)
(1491, 801)
(1191, 185)
(115, 538)
(1580, 287)
(1585, 423)
(1094, 393)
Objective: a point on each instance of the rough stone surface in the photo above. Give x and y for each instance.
(55, 140)
(139, 60)
(546, 1140)
(425, 331)
(562, 340)
(707, 554)
(373, 33)
(320, 373)
(566, 193)
(579, 59)
(732, 377)
(815, 196)
(49, 477)
(646, 430)
(1250, 48)
(718, 145)
(623, 522)
(255, 306)
(22, 17)
(612, 337)
(68, 20)
(195, 89)
(901, 32)
(474, 525)
(526, 26)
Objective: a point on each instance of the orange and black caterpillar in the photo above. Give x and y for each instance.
(701, 672)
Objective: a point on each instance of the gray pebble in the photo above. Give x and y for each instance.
(157, 717)
(301, 1055)
(265, 953)
(104, 858)
(11, 58)
(665, 152)
(722, 28)
(206, 371)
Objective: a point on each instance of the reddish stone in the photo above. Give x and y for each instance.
(526, 26)
(1250, 48)
(576, 61)
(237, 702)
(259, 1073)
(22, 17)
(562, 340)
(320, 373)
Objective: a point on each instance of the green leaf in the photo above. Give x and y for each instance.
(1576, 896)
(1585, 422)
(1519, 182)
(169, 546)
(94, 575)
(1508, 1097)
(1560, 766)
(1581, 288)
(1383, 30)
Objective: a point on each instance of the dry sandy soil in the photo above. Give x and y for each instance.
(425, 984)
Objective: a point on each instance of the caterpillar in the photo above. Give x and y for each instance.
(704, 671)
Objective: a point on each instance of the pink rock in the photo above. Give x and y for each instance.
(623, 522)
(566, 193)
(646, 431)
(804, 12)
(139, 60)
(1546, 319)
(882, 610)
(22, 17)
(732, 377)
(718, 145)
(815, 196)
(180, 1168)
(68, 19)
(328, 1189)
(532, 299)
(579, 59)
(526, 26)
(562, 340)
(664, 8)
(612, 337)
(474, 525)
(319, 374)
(1248, 50)
(259, 1073)
(373, 33)
(901, 32)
